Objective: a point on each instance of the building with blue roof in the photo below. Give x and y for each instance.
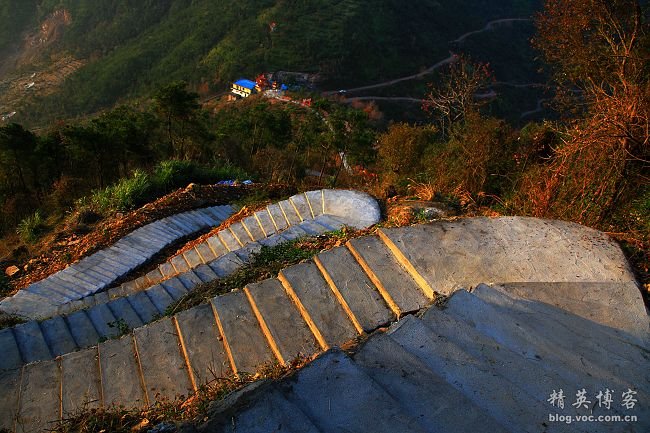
(243, 88)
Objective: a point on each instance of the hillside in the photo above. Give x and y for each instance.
(126, 49)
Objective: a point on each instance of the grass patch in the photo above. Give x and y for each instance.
(31, 228)
(267, 263)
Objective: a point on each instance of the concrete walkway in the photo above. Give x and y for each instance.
(107, 314)
(101, 269)
(491, 339)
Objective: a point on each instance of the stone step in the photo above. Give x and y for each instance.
(217, 247)
(154, 276)
(245, 345)
(167, 269)
(295, 232)
(535, 377)
(179, 263)
(175, 288)
(189, 279)
(265, 221)
(40, 403)
(120, 372)
(31, 342)
(318, 306)
(277, 216)
(353, 288)
(226, 265)
(357, 209)
(595, 346)
(160, 298)
(142, 305)
(422, 394)
(616, 305)
(10, 358)
(205, 252)
(163, 366)
(202, 344)
(192, 258)
(82, 329)
(58, 336)
(329, 222)
(301, 206)
(267, 412)
(508, 405)
(397, 287)
(253, 228)
(103, 321)
(81, 382)
(240, 233)
(247, 252)
(10, 403)
(124, 313)
(315, 200)
(336, 395)
(273, 240)
(229, 240)
(313, 228)
(288, 335)
(289, 212)
(205, 273)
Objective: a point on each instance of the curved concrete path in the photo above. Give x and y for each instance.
(99, 270)
(355, 289)
(101, 316)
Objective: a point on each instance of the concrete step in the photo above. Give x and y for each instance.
(80, 381)
(163, 366)
(31, 342)
(318, 306)
(175, 288)
(401, 292)
(103, 321)
(40, 402)
(313, 228)
(279, 220)
(229, 240)
(265, 221)
(142, 305)
(206, 253)
(240, 233)
(189, 279)
(217, 247)
(422, 394)
(301, 206)
(167, 269)
(179, 263)
(202, 344)
(10, 403)
(247, 252)
(58, 336)
(205, 273)
(10, 358)
(226, 265)
(121, 379)
(354, 289)
(288, 335)
(336, 395)
(315, 200)
(294, 232)
(253, 228)
(357, 209)
(329, 222)
(595, 346)
(245, 344)
(160, 298)
(82, 329)
(154, 276)
(124, 312)
(273, 240)
(494, 394)
(192, 258)
(266, 411)
(616, 305)
(289, 212)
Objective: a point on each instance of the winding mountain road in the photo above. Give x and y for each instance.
(449, 60)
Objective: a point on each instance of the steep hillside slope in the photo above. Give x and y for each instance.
(133, 47)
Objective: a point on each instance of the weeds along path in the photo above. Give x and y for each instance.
(449, 60)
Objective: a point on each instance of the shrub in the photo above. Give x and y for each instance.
(30, 228)
(123, 195)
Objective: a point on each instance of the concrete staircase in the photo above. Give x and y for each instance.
(489, 361)
(100, 317)
(351, 291)
(101, 269)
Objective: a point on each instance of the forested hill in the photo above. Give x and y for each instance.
(126, 48)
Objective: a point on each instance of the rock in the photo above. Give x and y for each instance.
(12, 270)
